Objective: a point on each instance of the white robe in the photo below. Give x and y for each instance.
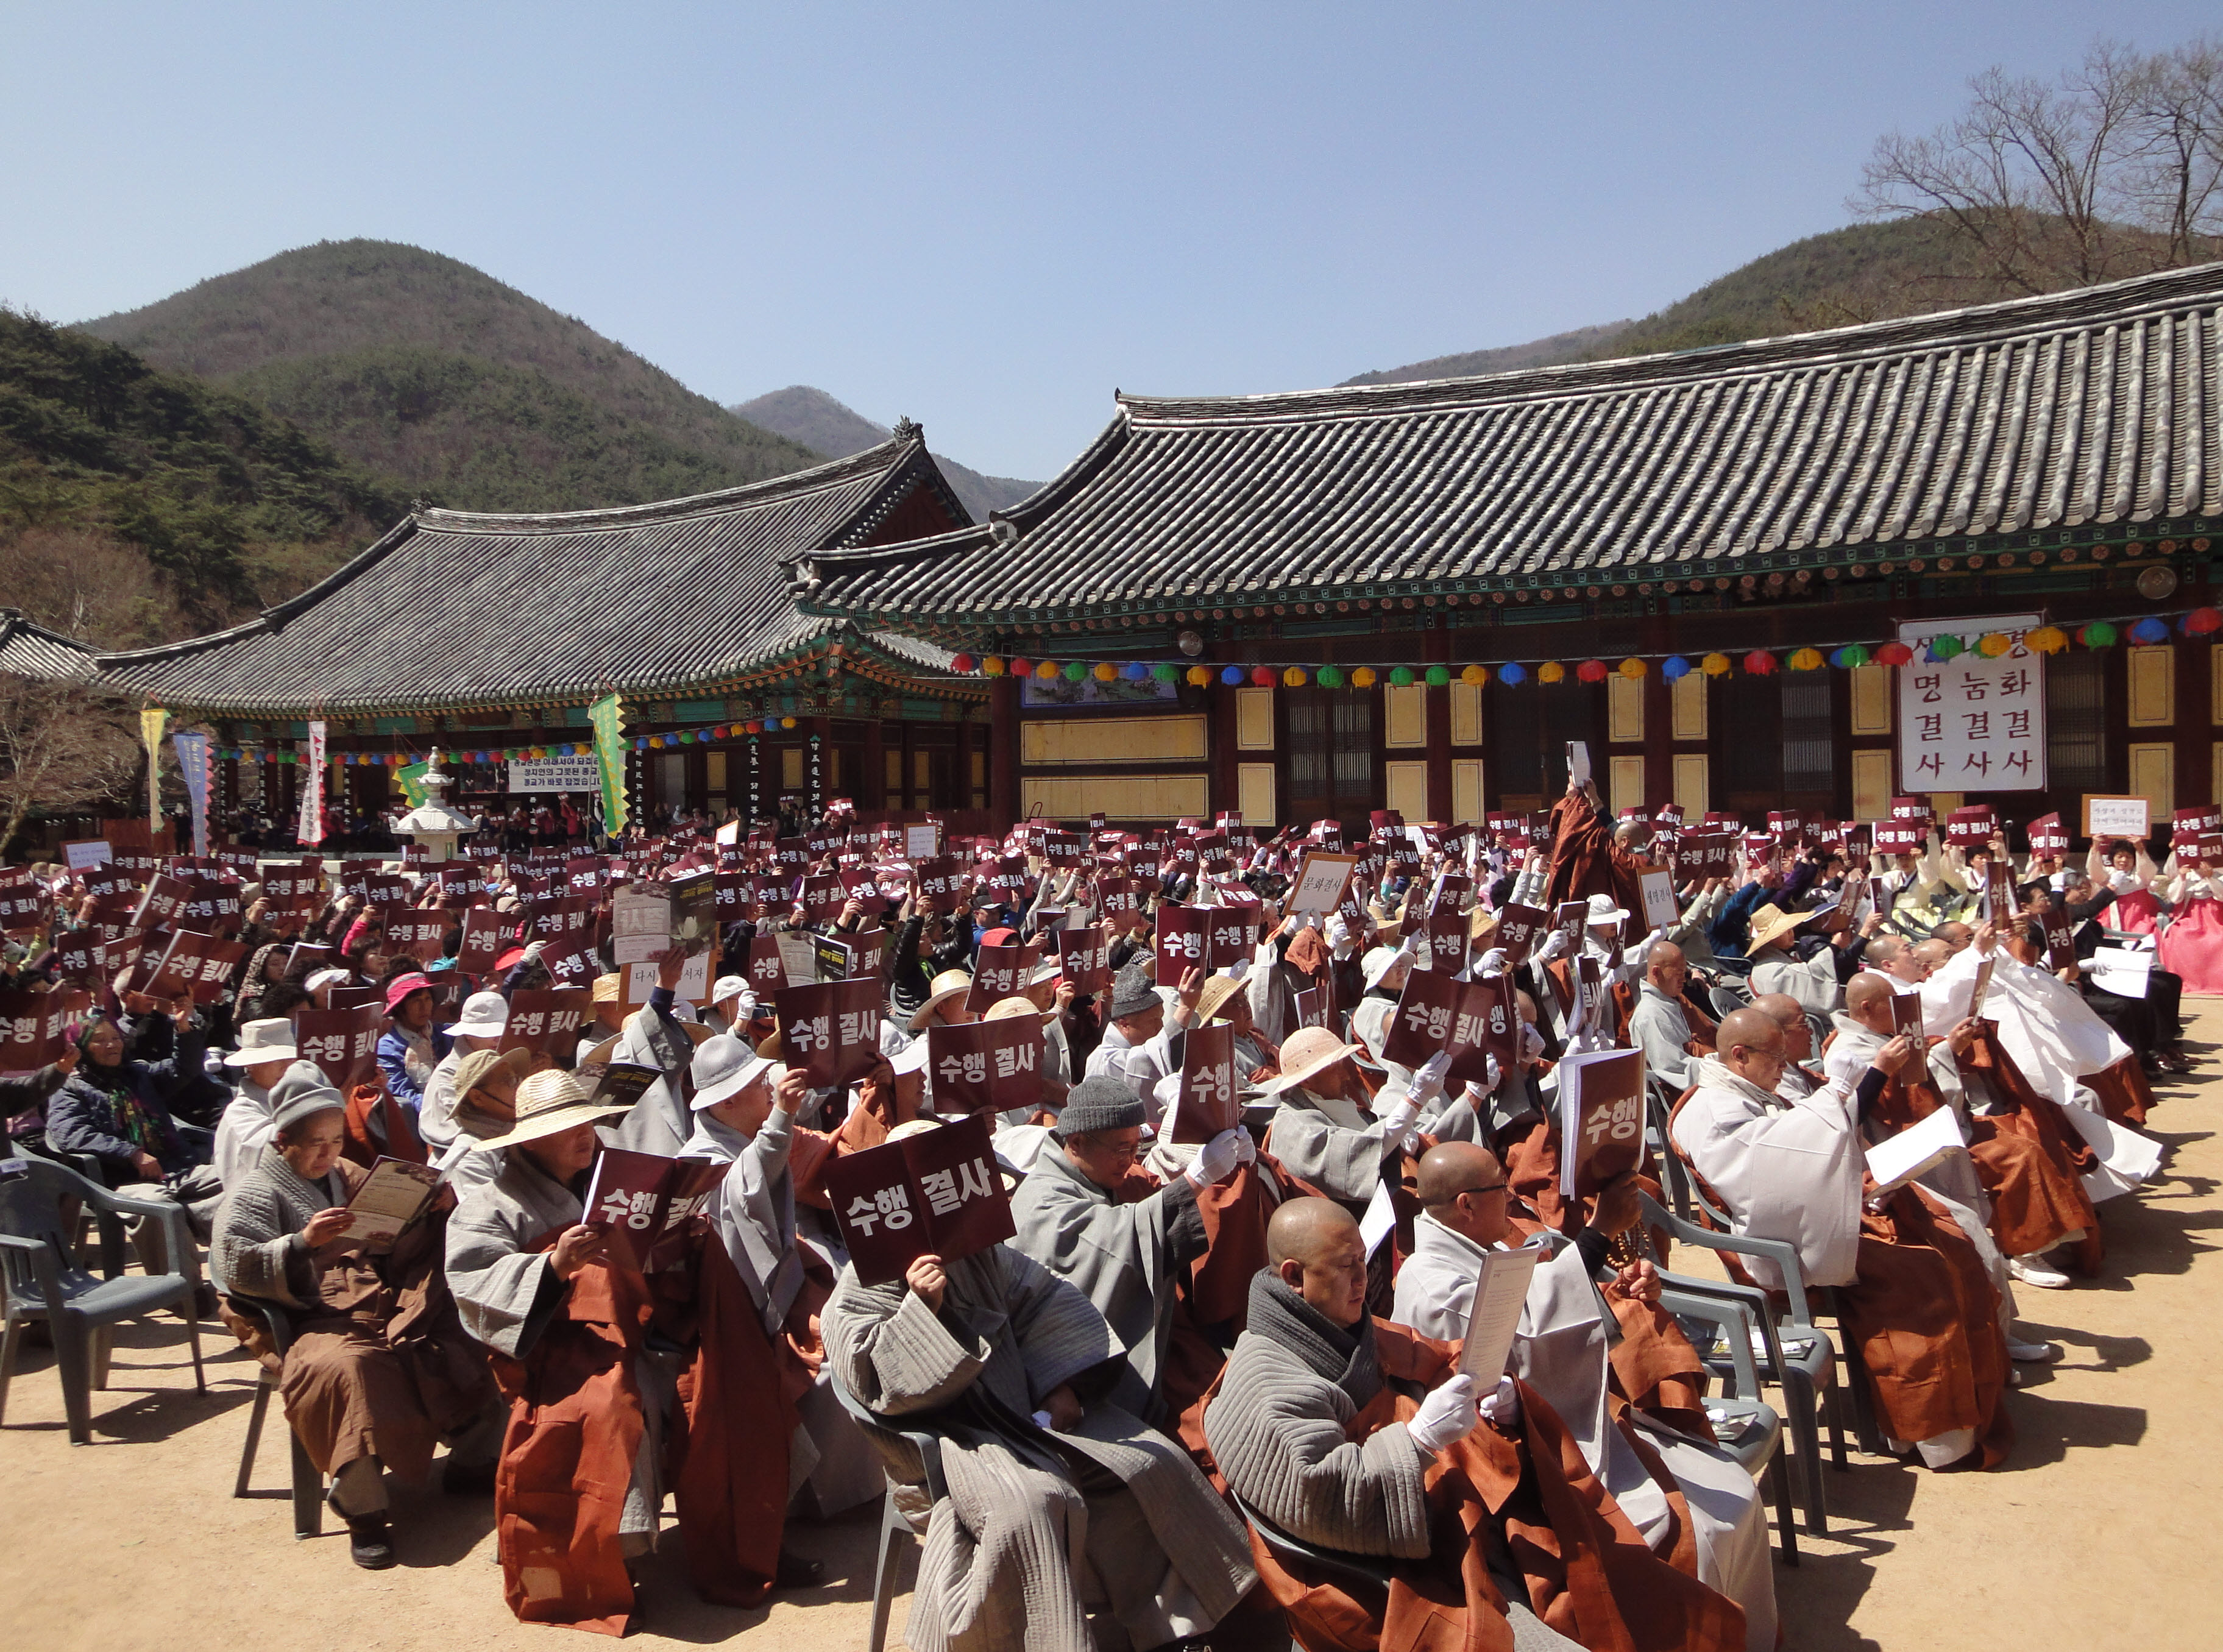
(1562, 1349)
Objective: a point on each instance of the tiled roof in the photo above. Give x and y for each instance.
(2088, 411)
(456, 608)
(28, 649)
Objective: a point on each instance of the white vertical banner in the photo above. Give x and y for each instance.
(309, 829)
(1975, 722)
(194, 766)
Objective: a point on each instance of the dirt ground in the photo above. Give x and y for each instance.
(2089, 1537)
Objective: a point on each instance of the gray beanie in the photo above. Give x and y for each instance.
(302, 1092)
(1131, 992)
(1095, 1104)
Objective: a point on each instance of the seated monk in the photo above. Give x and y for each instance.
(591, 1353)
(1125, 1256)
(1914, 1291)
(1669, 1484)
(1354, 1436)
(1064, 1513)
(2019, 1197)
(1662, 1022)
(1324, 1131)
(1226, 999)
(377, 1367)
(745, 1106)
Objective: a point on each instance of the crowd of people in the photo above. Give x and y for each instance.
(1211, 1390)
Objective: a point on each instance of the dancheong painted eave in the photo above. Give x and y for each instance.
(2077, 418)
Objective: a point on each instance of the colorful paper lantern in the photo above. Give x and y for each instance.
(2098, 634)
(2150, 630)
(1476, 675)
(1329, 677)
(1439, 676)
(1261, 676)
(787, 722)
(1106, 671)
(1805, 660)
(1166, 671)
(1199, 676)
(1591, 671)
(1401, 676)
(1047, 671)
(1294, 677)
(1715, 664)
(1232, 676)
(1075, 671)
(2045, 640)
(1851, 657)
(1759, 663)
(1022, 668)
(1631, 668)
(2202, 621)
(1513, 673)
(1944, 648)
(1674, 668)
(1551, 672)
(1134, 672)
(1992, 644)
(960, 662)
(753, 728)
(993, 667)
(1364, 677)
(656, 742)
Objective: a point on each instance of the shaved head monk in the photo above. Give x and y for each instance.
(1790, 1014)
(1661, 1021)
(1914, 1290)
(1350, 1434)
(1561, 1351)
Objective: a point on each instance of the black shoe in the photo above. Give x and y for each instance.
(206, 1305)
(369, 1543)
(799, 1571)
(468, 1479)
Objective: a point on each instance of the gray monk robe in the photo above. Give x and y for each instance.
(1125, 1259)
(1561, 1350)
(660, 1120)
(1038, 1530)
(1335, 1144)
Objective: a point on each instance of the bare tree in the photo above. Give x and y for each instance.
(2114, 169)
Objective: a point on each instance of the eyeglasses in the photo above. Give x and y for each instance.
(1494, 1187)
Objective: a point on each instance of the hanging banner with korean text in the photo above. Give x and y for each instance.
(151, 721)
(309, 829)
(608, 718)
(193, 769)
(1975, 723)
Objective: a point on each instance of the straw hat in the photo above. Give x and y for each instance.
(947, 985)
(1214, 997)
(1306, 1053)
(547, 1105)
(1005, 1008)
(1769, 924)
(606, 989)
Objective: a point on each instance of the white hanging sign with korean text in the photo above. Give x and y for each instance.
(1973, 723)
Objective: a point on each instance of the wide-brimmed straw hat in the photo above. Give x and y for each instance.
(947, 985)
(1214, 997)
(547, 1105)
(1005, 1008)
(1769, 923)
(1604, 909)
(1306, 1053)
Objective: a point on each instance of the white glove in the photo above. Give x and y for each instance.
(1554, 944)
(1492, 963)
(1446, 1416)
(1214, 1159)
(1338, 931)
(1397, 1118)
(1532, 1042)
(1167, 1092)
(1246, 1151)
(1493, 1075)
(1504, 1407)
(1428, 1080)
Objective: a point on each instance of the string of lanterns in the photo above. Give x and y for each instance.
(1761, 662)
(493, 756)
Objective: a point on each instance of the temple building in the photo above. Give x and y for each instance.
(489, 634)
(1705, 564)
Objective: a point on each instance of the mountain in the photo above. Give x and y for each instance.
(1509, 358)
(459, 387)
(823, 424)
(151, 504)
(1866, 272)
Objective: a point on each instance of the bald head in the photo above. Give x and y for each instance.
(1898, 957)
(1868, 1000)
(1314, 1248)
(1790, 1014)
(1933, 952)
(1664, 969)
(1750, 1043)
(1955, 935)
(1449, 1169)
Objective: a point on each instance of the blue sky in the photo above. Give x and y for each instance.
(988, 216)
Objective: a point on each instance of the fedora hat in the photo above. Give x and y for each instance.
(1305, 1053)
(263, 1041)
(1769, 924)
(947, 985)
(547, 1104)
(723, 1068)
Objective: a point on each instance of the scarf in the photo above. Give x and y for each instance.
(1345, 1358)
(1712, 1074)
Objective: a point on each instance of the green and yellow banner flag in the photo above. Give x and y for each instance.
(152, 720)
(608, 718)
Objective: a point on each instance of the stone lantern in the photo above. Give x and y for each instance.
(431, 823)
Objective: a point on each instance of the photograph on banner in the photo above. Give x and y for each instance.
(1975, 722)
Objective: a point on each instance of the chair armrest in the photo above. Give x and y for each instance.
(1820, 1356)
(1780, 1252)
(40, 1258)
(168, 1212)
(276, 1315)
(1736, 1322)
(929, 1446)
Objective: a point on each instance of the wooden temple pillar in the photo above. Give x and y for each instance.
(1003, 751)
